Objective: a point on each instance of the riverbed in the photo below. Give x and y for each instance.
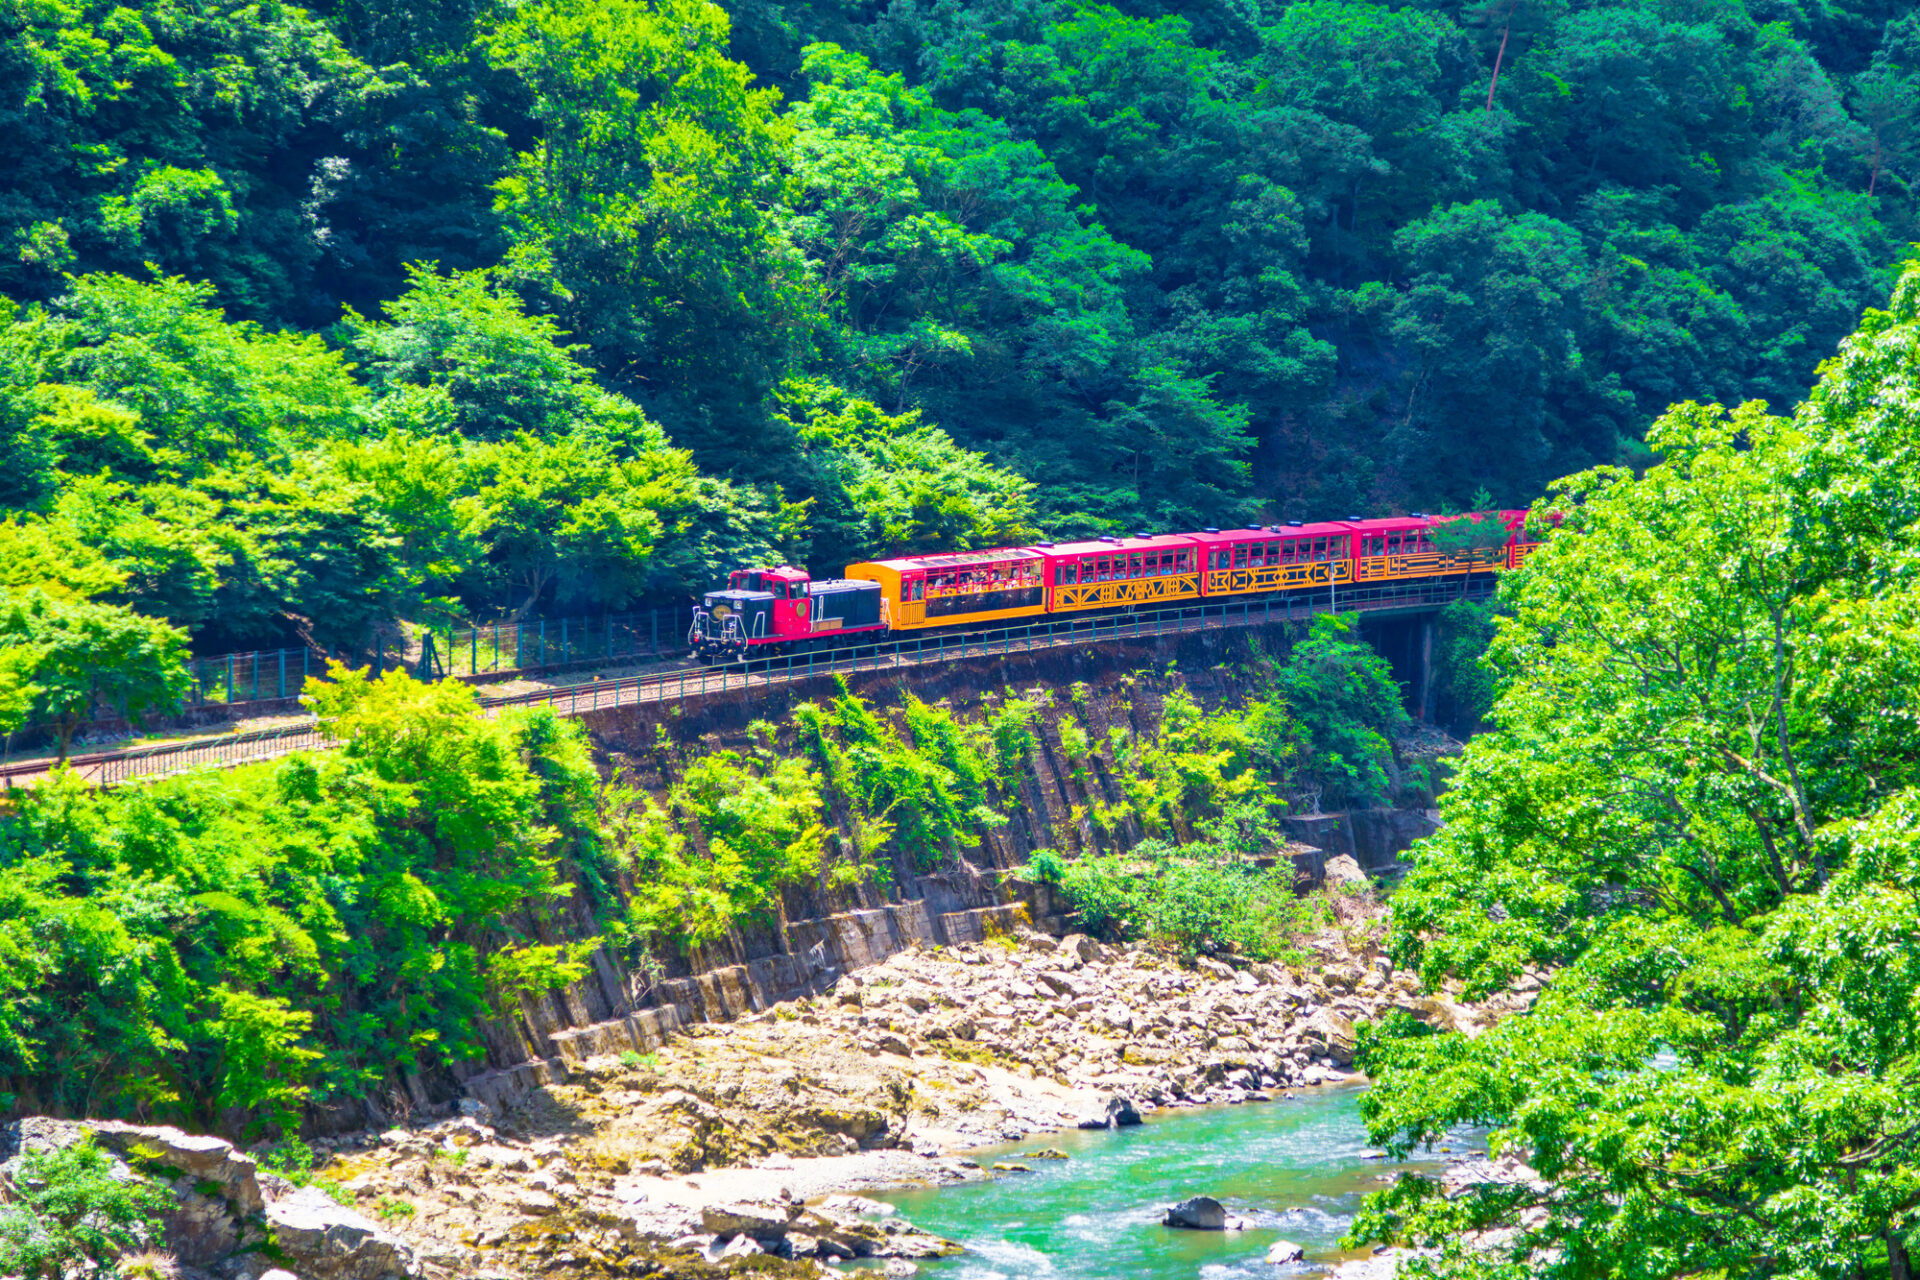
(1295, 1170)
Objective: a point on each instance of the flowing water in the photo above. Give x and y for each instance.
(1295, 1170)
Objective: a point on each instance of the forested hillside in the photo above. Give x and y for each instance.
(326, 316)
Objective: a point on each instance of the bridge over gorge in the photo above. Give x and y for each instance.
(1396, 617)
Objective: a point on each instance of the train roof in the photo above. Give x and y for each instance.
(958, 559)
(1266, 532)
(1099, 546)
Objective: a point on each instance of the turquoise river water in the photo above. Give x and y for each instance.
(1295, 1170)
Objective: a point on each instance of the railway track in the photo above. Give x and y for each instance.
(686, 682)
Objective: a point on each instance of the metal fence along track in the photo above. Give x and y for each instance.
(893, 653)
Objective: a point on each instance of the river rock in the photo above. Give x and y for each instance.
(1120, 1113)
(1201, 1213)
(321, 1240)
(1281, 1252)
(740, 1247)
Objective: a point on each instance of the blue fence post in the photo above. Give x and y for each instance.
(229, 679)
(654, 616)
(566, 654)
(283, 673)
(543, 642)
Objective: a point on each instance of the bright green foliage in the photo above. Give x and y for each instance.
(1698, 808)
(1196, 764)
(261, 936)
(1172, 264)
(964, 279)
(926, 800)
(246, 485)
(760, 831)
(646, 198)
(1344, 707)
(884, 484)
(70, 1216)
(1204, 896)
(64, 661)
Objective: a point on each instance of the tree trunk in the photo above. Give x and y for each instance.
(1500, 57)
(1899, 1264)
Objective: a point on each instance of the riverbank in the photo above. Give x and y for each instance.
(884, 1082)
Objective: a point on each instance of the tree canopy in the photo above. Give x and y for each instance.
(1697, 814)
(288, 290)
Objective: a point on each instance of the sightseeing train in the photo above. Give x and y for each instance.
(770, 612)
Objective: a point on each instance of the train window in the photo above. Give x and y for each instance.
(1070, 573)
(779, 591)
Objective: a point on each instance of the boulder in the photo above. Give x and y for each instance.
(740, 1247)
(321, 1240)
(1201, 1213)
(1342, 869)
(201, 1158)
(1083, 948)
(899, 1269)
(762, 1219)
(1120, 1113)
(1281, 1252)
(1331, 1033)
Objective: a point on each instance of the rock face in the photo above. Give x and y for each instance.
(1201, 1213)
(322, 1240)
(224, 1213)
(761, 1219)
(217, 1206)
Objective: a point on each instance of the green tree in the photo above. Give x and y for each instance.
(1342, 703)
(646, 200)
(1697, 815)
(70, 660)
(887, 485)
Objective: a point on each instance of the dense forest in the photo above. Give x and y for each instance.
(326, 317)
